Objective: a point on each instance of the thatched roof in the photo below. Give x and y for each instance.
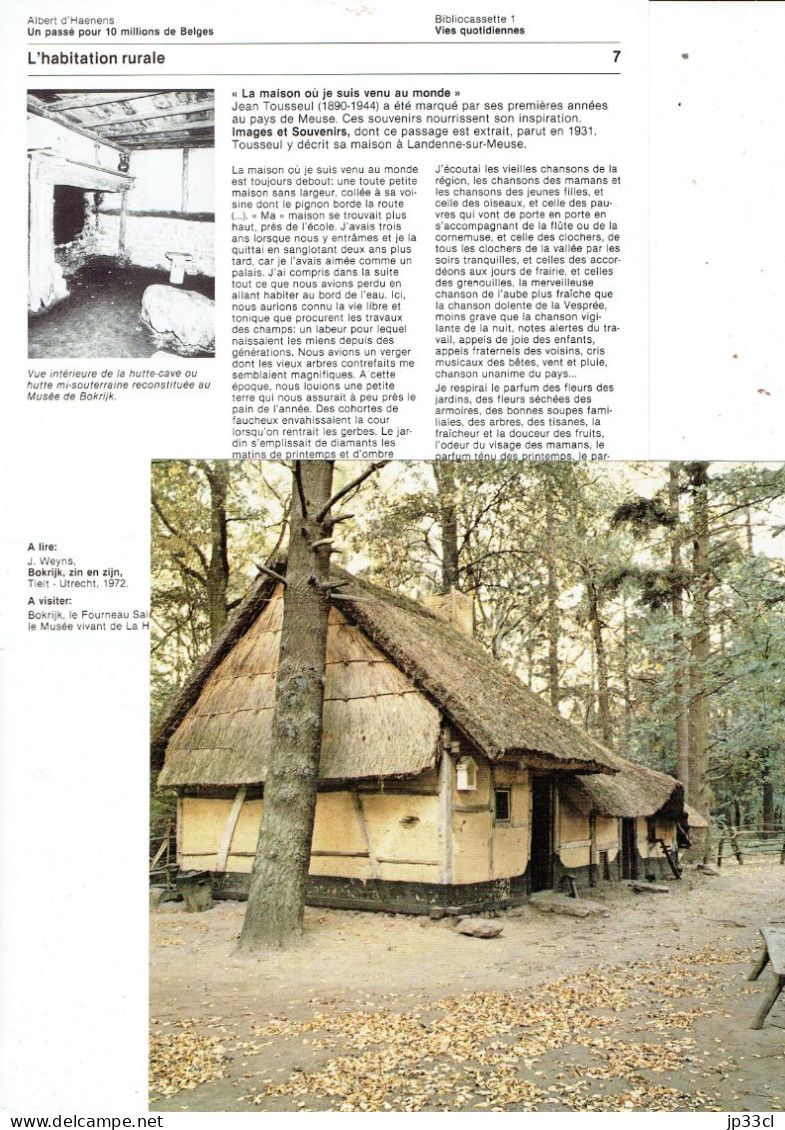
(374, 723)
(635, 790)
(695, 819)
(217, 728)
(485, 701)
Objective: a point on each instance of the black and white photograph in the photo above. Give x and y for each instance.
(121, 224)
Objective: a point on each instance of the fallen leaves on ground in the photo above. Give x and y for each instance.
(486, 1050)
(182, 1060)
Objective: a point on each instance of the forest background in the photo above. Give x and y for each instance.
(646, 602)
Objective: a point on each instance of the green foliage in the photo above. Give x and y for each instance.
(186, 552)
(643, 514)
(572, 572)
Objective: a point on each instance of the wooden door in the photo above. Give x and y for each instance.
(629, 849)
(541, 861)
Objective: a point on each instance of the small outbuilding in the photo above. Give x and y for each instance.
(623, 826)
(444, 781)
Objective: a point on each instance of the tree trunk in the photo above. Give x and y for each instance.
(699, 788)
(276, 900)
(448, 517)
(626, 683)
(603, 687)
(217, 580)
(769, 817)
(748, 531)
(552, 617)
(680, 674)
(529, 649)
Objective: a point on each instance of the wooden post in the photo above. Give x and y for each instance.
(492, 821)
(123, 223)
(186, 162)
(719, 849)
(592, 849)
(768, 1003)
(782, 854)
(178, 830)
(445, 818)
(226, 840)
(774, 951)
(760, 964)
(735, 844)
(160, 852)
(42, 244)
(670, 859)
(358, 804)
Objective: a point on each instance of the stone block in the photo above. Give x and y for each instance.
(181, 319)
(480, 927)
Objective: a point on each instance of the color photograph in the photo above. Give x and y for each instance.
(467, 786)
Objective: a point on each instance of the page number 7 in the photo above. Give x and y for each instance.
(616, 55)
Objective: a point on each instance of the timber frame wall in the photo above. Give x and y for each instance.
(411, 844)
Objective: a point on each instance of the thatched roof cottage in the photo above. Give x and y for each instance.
(443, 779)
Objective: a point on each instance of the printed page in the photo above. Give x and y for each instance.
(360, 232)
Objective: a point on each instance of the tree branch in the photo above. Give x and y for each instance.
(271, 573)
(301, 494)
(349, 488)
(189, 572)
(176, 533)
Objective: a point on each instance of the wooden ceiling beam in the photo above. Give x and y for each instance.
(51, 168)
(36, 107)
(131, 136)
(186, 127)
(175, 143)
(169, 112)
(76, 103)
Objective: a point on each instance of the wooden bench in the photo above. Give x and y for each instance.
(774, 952)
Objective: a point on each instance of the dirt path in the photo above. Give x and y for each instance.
(646, 1009)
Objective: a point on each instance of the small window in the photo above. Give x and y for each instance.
(501, 806)
(466, 776)
(651, 829)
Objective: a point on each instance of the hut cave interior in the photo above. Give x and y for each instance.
(121, 223)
